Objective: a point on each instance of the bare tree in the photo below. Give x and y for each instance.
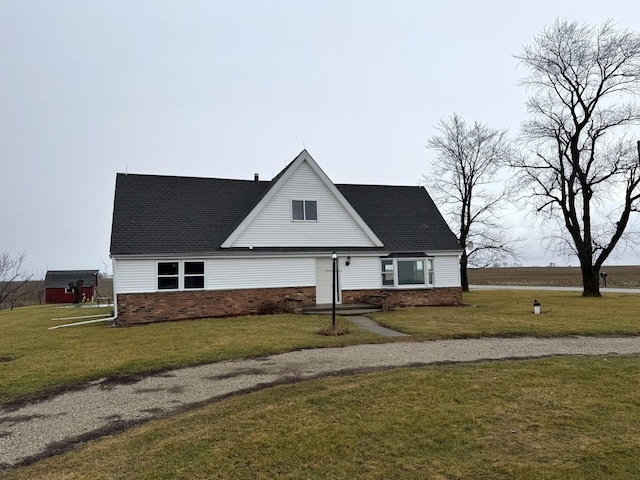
(463, 179)
(13, 277)
(76, 288)
(582, 170)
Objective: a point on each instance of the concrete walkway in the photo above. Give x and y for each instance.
(59, 423)
(370, 325)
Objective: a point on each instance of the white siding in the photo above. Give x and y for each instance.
(446, 271)
(228, 273)
(273, 226)
(140, 276)
(135, 276)
(362, 274)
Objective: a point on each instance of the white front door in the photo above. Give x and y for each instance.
(324, 281)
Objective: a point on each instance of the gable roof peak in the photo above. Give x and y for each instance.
(281, 179)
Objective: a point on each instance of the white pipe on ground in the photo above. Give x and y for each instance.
(110, 319)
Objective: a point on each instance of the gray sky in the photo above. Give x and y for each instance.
(225, 89)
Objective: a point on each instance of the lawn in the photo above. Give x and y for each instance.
(36, 361)
(555, 418)
(564, 418)
(510, 313)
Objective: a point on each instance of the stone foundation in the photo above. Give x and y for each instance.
(136, 308)
(418, 297)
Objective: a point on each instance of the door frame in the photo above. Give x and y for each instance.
(324, 281)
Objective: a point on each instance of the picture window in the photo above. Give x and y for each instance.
(400, 273)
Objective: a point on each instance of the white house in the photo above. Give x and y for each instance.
(185, 247)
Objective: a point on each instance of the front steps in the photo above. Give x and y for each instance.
(346, 309)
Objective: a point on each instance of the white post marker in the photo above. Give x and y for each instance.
(536, 307)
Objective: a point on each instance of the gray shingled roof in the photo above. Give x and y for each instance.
(61, 278)
(186, 215)
(405, 219)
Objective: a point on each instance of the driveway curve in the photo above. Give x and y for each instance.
(48, 427)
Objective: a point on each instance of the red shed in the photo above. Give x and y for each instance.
(57, 289)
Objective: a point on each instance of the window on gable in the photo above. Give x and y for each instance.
(304, 210)
(193, 275)
(168, 276)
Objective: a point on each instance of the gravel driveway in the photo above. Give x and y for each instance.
(56, 424)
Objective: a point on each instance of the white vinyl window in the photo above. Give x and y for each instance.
(304, 210)
(387, 273)
(193, 275)
(176, 275)
(407, 272)
(168, 275)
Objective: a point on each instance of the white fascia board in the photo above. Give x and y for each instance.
(248, 254)
(444, 253)
(302, 157)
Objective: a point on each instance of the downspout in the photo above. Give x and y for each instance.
(114, 268)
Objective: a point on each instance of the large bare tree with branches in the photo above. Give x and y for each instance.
(13, 277)
(463, 179)
(582, 169)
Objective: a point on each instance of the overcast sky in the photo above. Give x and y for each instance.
(228, 88)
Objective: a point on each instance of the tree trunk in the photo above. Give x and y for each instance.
(464, 279)
(590, 280)
(77, 291)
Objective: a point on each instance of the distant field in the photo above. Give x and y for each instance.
(627, 276)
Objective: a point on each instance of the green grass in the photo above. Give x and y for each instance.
(35, 360)
(555, 418)
(510, 313)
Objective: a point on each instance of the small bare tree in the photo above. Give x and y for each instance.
(584, 81)
(463, 179)
(76, 288)
(13, 277)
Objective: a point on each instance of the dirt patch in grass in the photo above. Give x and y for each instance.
(339, 330)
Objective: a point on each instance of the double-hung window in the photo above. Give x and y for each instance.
(387, 273)
(193, 275)
(407, 272)
(176, 275)
(168, 275)
(304, 210)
